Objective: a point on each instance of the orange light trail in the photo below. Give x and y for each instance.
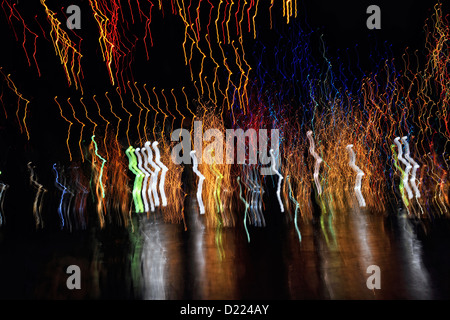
(13, 87)
(146, 113)
(140, 112)
(106, 127)
(81, 130)
(115, 115)
(68, 131)
(65, 49)
(129, 115)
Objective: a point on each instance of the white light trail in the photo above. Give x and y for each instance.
(163, 173)
(200, 182)
(279, 180)
(408, 167)
(144, 174)
(359, 175)
(154, 174)
(415, 167)
(145, 188)
(317, 164)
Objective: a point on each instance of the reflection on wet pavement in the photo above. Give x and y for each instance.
(154, 260)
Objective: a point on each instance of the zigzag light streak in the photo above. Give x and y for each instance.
(317, 164)
(37, 204)
(143, 177)
(272, 155)
(147, 173)
(407, 169)
(359, 175)
(200, 182)
(3, 188)
(297, 206)
(246, 208)
(154, 173)
(415, 167)
(163, 173)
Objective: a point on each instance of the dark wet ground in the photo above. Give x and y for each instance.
(163, 261)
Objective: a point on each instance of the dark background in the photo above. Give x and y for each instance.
(342, 25)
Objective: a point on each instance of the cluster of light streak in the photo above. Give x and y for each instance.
(370, 140)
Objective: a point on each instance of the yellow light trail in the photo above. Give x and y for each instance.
(167, 108)
(160, 110)
(254, 17)
(68, 131)
(270, 12)
(140, 112)
(187, 103)
(228, 21)
(129, 115)
(106, 127)
(146, 113)
(230, 73)
(106, 46)
(13, 87)
(289, 9)
(156, 111)
(217, 19)
(81, 131)
(87, 116)
(187, 106)
(242, 74)
(215, 69)
(115, 115)
(65, 49)
(165, 115)
(176, 108)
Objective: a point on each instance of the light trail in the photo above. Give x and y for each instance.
(38, 200)
(146, 190)
(297, 206)
(317, 163)
(408, 168)
(154, 173)
(415, 166)
(280, 179)
(164, 170)
(132, 165)
(200, 182)
(359, 175)
(246, 208)
(143, 178)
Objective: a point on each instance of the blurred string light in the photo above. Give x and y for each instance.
(359, 175)
(3, 188)
(164, 170)
(142, 181)
(338, 109)
(408, 167)
(415, 167)
(246, 208)
(280, 180)
(67, 51)
(138, 205)
(295, 211)
(201, 178)
(154, 173)
(64, 191)
(38, 200)
(318, 161)
(146, 191)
